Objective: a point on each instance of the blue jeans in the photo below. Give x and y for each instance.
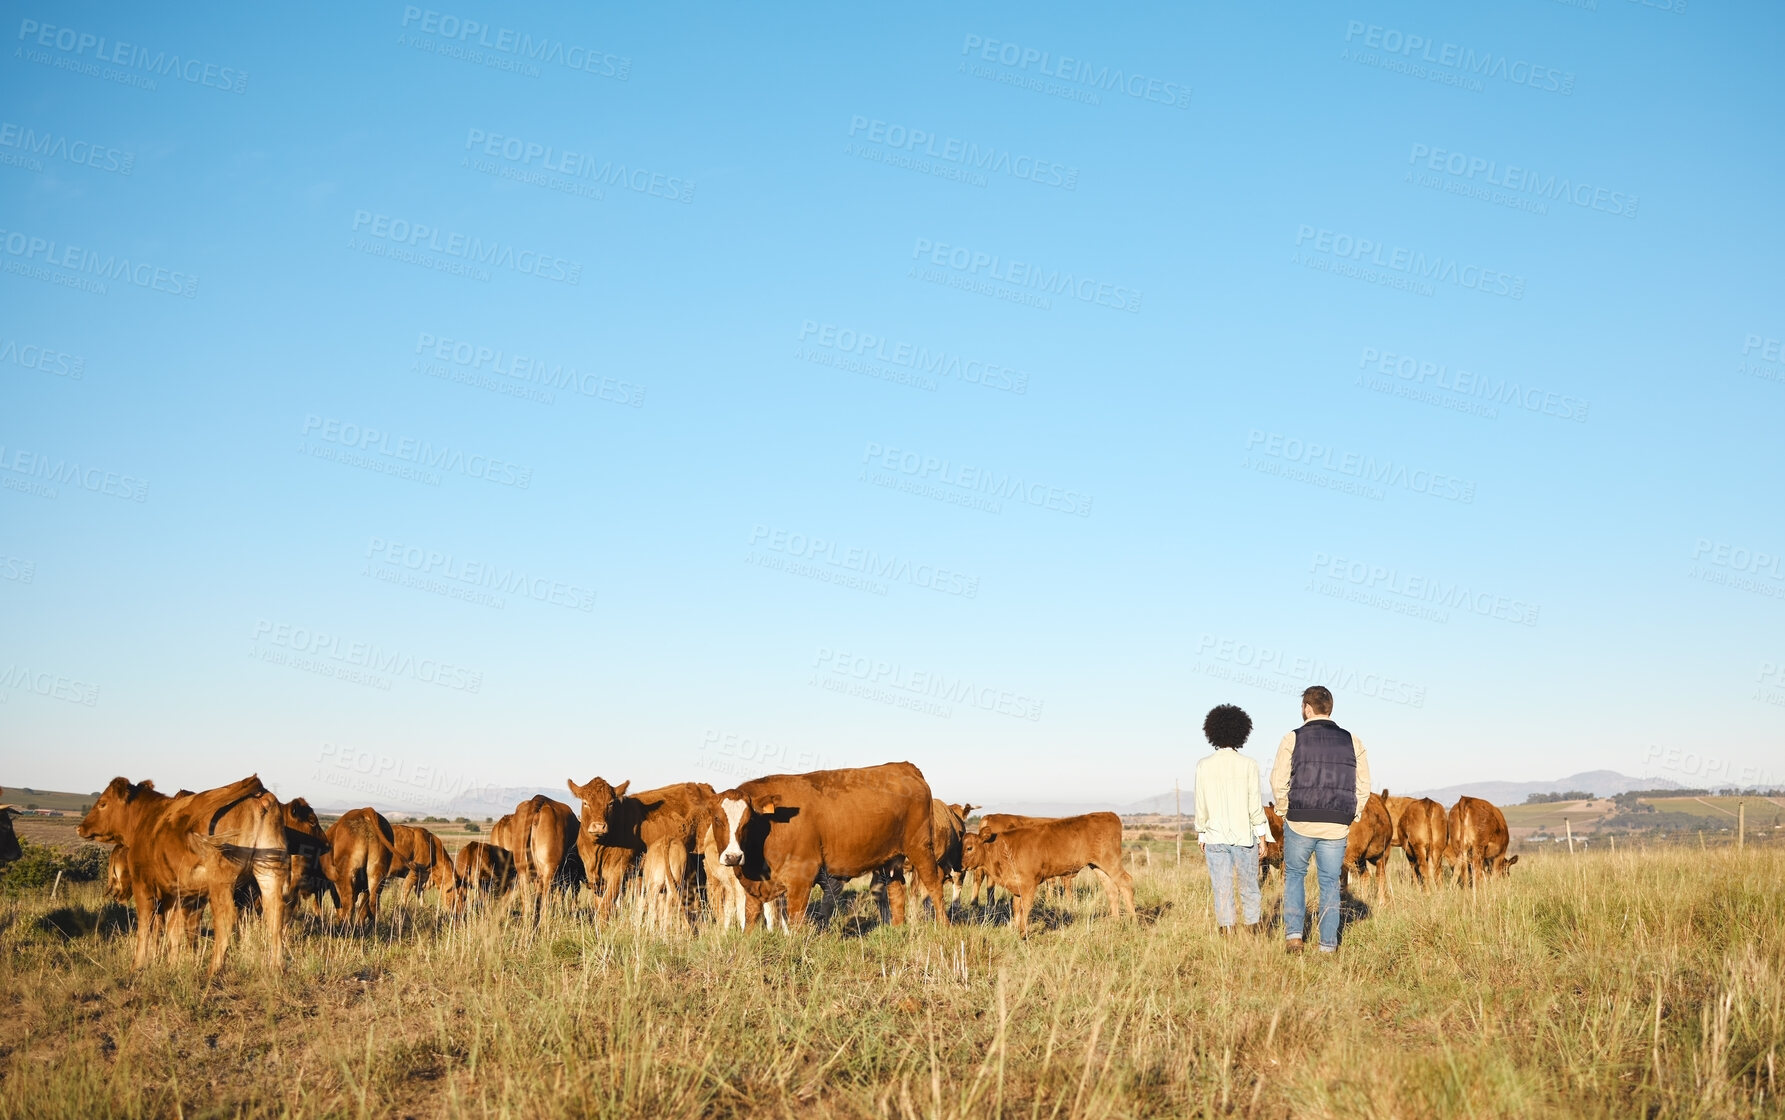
(1225, 860)
(1329, 858)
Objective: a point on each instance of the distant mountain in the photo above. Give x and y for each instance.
(1599, 783)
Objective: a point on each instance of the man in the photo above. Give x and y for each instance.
(1323, 778)
(1230, 816)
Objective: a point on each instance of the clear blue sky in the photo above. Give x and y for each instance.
(459, 393)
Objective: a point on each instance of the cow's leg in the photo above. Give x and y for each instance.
(223, 921)
(1021, 899)
(798, 878)
(272, 878)
(929, 877)
(145, 922)
(1109, 891)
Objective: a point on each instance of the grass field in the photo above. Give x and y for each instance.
(1629, 985)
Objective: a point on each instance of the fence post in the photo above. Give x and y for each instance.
(1178, 792)
(1570, 830)
(1741, 824)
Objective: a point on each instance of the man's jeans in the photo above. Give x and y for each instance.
(1329, 858)
(1225, 860)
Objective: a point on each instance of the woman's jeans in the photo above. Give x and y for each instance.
(1226, 860)
(1329, 858)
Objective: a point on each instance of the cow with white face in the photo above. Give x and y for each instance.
(782, 832)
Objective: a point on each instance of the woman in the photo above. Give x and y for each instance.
(1230, 815)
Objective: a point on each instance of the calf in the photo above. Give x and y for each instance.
(1421, 831)
(427, 863)
(1272, 855)
(1366, 847)
(1477, 840)
(362, 855)
(182, 852)
(662, 828)
(542, 837)
(1020, 858)
(482, 869)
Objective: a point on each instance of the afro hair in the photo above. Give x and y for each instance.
(1227, 725)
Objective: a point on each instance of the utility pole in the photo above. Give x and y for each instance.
(1178, 792)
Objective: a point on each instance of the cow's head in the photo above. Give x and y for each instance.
(736, 811)
(303, 831)
(108, 820)
(598, 800)
(1504, 865)
(975, 850)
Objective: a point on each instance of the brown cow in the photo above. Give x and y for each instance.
(183, 852)
(992, 823)
(948, 824)
(482, 869)
(1366, 847)
(1477, 839)
(1272, 855)
(662, 828)
(362, 855)
(1022, 857)
(1420, 830)
(427, 863)
(542, 838)
(307, 843)
(781, 831)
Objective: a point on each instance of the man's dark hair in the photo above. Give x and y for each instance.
(1318, 698)
(1227, 725)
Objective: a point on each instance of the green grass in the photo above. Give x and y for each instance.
(1602, 986)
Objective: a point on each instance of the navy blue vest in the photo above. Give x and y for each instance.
(1323, 774)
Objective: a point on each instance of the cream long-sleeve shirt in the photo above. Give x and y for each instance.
(1319, 830)
(1228, 808)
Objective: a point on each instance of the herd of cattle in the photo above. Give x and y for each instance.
(758, 849)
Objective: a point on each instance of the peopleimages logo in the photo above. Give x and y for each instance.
(968, 155)
(873, 673)
(1356, 472)
(1462, 385)
(1521, 183)
(463, 578)
(464, 248)
(33, 145)
(1065, 76)
(1286, 673)
(78, 47)
(975, 486)
(1426, 590)
(44, 358)
(531, 161)
(35, 473)
(825, 553)
(45, 258)
(503, 48)
(1446, 62)
(1024, 276)
(409, 457)
(513, 372)
(920, 361)
(1410, 265)
(51, 686)
(332, 655)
